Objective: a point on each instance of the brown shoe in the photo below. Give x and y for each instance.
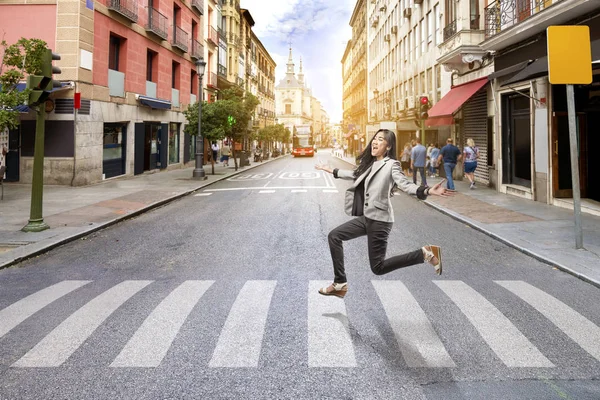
(433, 255)
(335, 289)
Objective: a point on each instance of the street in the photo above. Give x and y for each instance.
(215, 296)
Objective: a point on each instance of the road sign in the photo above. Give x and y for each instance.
(569, 55)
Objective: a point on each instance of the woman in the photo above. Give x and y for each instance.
(377, 174)
(405, 159)
(470, 155)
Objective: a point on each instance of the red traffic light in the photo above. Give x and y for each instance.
(424, 100)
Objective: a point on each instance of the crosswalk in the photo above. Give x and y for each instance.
(330, 341)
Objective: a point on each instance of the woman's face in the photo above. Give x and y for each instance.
(379, 146)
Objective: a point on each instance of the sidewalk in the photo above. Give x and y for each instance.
(75, 212)
(542, 231)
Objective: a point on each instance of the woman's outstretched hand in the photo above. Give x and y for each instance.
(324, 167)
(438, 190)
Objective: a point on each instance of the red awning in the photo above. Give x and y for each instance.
(442, 113)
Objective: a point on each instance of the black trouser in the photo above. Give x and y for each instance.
(377, 234)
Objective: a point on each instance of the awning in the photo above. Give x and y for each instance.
(154, 102)
(510, 70)
(534, 70)
(442, 113)
(22, 108)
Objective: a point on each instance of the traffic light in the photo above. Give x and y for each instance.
(41, 85)
(423, 108)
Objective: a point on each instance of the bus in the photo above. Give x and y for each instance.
(302, 141)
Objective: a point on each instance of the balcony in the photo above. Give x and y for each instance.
(240, 81)
(157, 24)
(198, 5)
(211, 80)
(222, 33)
(127, 8)
(197, 50)
(213, 36)
(450, 30)
(222, 70)
(508, 22)
(461, 45)
(180, 39)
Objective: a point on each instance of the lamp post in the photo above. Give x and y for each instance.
(199, 172)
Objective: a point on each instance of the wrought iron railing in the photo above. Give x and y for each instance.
(157, 23)
(502, 14)
(240, 81)
(450, 30)
(222, 70)
(197, 50)
(180, 39)
(474, 22)
(213, 36)
(127, 8)
(199, 6)
(211, 79)
(222, 33)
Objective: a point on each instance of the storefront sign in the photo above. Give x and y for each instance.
(569, 55)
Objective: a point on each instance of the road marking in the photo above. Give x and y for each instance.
(18, 312)
(150, 343)
(271, 187)
(267, 191)
(62, 342)
(509, 344)
(240, 341)
(329, 340)
(202, 194)
(580, 329)
(299, 191)
(330, 191)
(418, 341)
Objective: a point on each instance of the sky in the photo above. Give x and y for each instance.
(318, 31)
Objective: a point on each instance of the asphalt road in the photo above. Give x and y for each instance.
(214, 297)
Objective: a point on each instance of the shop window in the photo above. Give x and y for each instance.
(173, 143)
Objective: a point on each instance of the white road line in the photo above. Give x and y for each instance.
(329, 341)
(18, 312)
(299, 191)
(267, 191)
(59, 344)
(260, 188)
(509, 344)
(418, 341)
(330, 191)
(151, 342)
(202, 194)
(240, 341)
(580, 329)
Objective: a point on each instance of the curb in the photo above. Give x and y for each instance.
(507, 242)
(133, 214)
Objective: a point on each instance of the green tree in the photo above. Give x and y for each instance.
(18, 60)
(242, 109)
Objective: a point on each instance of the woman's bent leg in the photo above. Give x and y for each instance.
(378, 233)
(350, 230)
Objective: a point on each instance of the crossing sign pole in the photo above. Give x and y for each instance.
(570, 63)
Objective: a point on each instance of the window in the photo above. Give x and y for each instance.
(194, 82)
(175, 75)
(150, 69)
(430, 26)
(288, 108)
(423, 35)
(173, 143)
(114, 51)
(450, 11)
(422, 79)
(436, 21)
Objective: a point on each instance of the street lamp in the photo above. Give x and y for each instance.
(199, 170)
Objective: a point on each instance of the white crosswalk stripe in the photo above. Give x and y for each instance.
(509, 344)
(18, 312)
(240, 341)
(58, 346)
(580, 329)
(329, 341)
(152, 340)
(418, 341)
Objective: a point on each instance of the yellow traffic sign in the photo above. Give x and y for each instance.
(569, 55)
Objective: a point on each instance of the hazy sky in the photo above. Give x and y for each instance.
(318, 30)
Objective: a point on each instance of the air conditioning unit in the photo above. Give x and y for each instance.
(410, 102)
(387, 37)
(400, 104)
(418, 1)
(394, 29)
(407, 12)
(375, 20)
(373, 1)
(383, 8)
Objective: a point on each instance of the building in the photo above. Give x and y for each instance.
(291, 105)
(134, 66)
(264, 82)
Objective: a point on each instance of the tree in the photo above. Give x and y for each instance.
(273, 133)
(18, 59)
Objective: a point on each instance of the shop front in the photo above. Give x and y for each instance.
(151, 146)
(114, 149)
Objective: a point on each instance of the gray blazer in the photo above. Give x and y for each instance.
(380, 179)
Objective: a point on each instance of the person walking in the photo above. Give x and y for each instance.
(471, 154)
(405, 159)
(225, 153)
(451, 155)
(433, 165)
(215, 151)
(369, 200)
(418, 157)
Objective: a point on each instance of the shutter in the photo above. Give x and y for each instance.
(138, 157)
(475, 127)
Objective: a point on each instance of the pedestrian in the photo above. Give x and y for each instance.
(225, 153)
(451, 155)
(418, 155)
(405, 159)
(368, 199)
(215, 151)
(471, 154)
(433, 165)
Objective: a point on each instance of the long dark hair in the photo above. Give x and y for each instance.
(365, 160)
